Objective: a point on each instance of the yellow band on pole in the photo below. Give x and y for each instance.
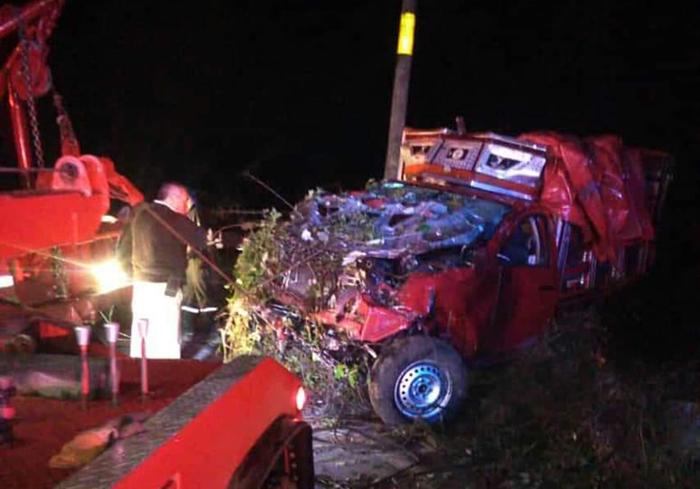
(408, 25)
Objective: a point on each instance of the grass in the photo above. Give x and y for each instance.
(561, 416)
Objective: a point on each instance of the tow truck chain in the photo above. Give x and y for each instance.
(31, 105)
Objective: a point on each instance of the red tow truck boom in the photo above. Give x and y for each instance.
(55, 211)
(240, 427)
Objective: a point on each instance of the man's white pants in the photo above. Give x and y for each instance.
(163, 314)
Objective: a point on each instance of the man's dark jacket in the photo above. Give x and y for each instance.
(152, 251)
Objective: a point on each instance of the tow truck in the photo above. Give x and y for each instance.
(239, 427)
(465, 258)
(56, 236)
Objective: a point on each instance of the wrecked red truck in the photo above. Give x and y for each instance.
(463, 259)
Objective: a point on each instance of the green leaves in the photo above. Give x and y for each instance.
(350, 373)
(258, 257)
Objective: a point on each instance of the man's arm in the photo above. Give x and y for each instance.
(195, 236)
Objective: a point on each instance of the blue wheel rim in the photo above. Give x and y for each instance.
(422, 390)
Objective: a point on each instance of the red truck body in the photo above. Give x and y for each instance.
(210, 425)
(590, 215)
(240, 427)
(472, 250)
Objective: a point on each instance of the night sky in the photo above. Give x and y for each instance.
(298, 92)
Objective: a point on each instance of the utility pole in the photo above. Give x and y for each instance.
(402, 78)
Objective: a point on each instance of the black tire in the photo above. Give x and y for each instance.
(417, 378)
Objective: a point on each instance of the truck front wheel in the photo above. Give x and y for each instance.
(417, 377)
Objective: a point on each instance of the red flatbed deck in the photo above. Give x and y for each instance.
(42, 426)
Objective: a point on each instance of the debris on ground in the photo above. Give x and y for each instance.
(87, 445)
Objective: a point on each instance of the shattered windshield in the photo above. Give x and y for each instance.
(392, 219)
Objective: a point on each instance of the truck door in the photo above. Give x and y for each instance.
(527, 292)
(577, 263)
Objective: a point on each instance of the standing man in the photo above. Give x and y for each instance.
(155, 243)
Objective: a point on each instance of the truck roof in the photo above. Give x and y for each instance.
(612, 191)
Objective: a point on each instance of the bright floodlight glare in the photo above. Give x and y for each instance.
(110, 276)
(300, 398)
(107, 219)
(6, 281)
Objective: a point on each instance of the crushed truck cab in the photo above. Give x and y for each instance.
(465, 258)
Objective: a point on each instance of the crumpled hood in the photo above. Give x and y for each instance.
(394, 219)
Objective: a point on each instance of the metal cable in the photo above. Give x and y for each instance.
(31, 105)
